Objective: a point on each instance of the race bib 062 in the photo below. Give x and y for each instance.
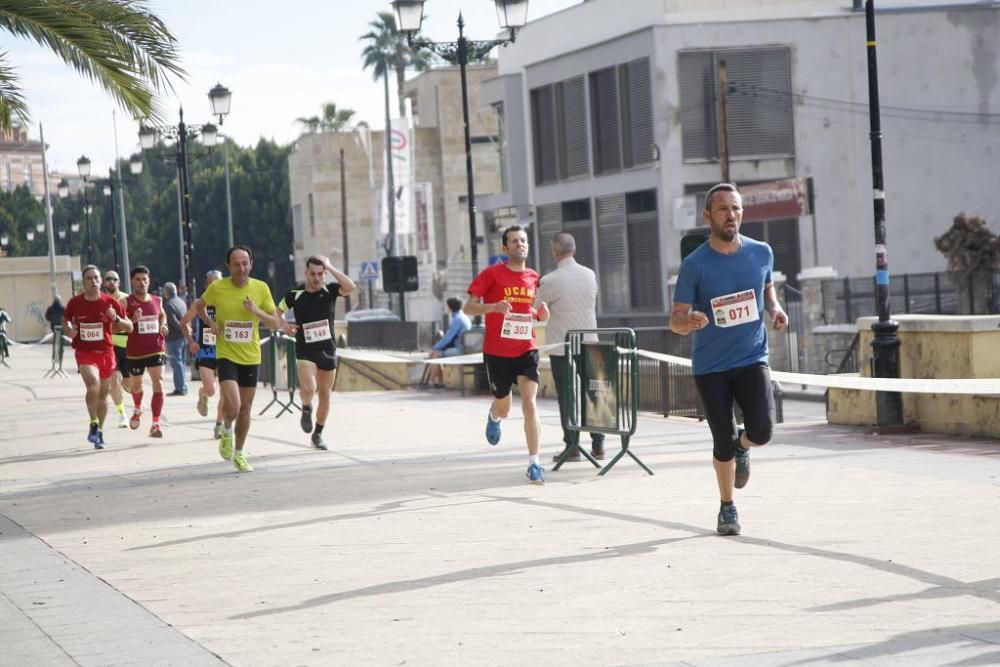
(149, 325)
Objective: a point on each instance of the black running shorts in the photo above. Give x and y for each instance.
(503, 371)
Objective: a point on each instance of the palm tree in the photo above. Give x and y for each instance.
(387, 49)
(333, 120)
(119, 44)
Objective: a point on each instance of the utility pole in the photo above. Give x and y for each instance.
(343, 225)
(885, 346)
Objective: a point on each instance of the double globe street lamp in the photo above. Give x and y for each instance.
(512, 15)
(219, 97)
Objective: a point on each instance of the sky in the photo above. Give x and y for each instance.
(281, 60)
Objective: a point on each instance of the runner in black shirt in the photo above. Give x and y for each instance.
(315, 350)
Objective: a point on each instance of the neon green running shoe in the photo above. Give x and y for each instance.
(241, 465)
(218, 431)
(226, 446)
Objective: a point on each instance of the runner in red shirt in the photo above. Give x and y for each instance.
(145, 348)
(504, 294)
(89, 321)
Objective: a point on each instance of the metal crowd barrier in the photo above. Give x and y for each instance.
(278, 369)
(58, 349)
(602, 388)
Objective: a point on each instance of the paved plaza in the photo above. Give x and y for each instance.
(413, 542)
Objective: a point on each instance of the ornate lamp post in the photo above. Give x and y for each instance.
(513, 15)
(220, 98)
(83, 166)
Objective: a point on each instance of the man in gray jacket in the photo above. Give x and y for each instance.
(175, 308)
(571, 293)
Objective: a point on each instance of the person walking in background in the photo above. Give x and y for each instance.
(175, 309)
(119, 384)
(89, 320)
(450, 345)
(315, 350)
(504, 293)
(571, 293)
(201, 344)
(722, 291)
(54, 313)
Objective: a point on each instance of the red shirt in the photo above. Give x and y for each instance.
(145, 339)
(516, 336)
(82, 312)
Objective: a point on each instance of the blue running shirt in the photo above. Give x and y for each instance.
(729, 289)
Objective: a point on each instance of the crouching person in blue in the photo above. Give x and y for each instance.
(450, 345)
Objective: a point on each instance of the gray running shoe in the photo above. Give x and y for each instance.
(306, 422)
(729, 520)
(742, 467)
(318, 442)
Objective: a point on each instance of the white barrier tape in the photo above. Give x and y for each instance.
(477, 357)
(906, 385)
(385, 357)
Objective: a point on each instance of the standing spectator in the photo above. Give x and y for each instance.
(54, 313)
(175, 308)
(571, 292)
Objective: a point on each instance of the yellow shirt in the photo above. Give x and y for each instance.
(239, 330)
(119, 339)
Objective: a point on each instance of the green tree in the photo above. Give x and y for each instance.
(333, 119)
(119, 44)
(387, 50)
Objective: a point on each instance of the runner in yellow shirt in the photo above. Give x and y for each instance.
(241, 304)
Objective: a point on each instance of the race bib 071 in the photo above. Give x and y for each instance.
(734, 309)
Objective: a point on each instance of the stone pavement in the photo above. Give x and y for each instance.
(414, 542)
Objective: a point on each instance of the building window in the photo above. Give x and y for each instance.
(297, 226)
(559, 131)
(26, 172)
(5, 177)
(621, 110)
(759, 102)
(629, 252)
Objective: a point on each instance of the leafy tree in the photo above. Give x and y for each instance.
(387, 50)
(969, 245)
(333, 119)
(119, 44)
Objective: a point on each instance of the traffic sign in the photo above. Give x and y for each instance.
(497, 259)
(369, 271)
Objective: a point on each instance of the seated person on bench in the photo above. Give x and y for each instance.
(450, 344)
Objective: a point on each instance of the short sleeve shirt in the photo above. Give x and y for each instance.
(239, 339)
(146, 340)
(314, 316)
(93, 326)
(729, 289)
(506, 335)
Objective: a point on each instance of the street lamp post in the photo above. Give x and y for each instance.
(109, 191)
(885, 343)
(220, 99)
(513, 15)
(83, 166)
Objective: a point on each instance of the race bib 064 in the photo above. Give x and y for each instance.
(92, 331)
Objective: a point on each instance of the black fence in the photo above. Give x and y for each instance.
(942, 293)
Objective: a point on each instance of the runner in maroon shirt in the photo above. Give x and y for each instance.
(504, 294)
(89, 321)
(145, 348)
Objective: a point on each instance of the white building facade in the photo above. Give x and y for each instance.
(611, 126)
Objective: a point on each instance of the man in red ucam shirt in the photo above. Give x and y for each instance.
(89, 321)
(504, 294)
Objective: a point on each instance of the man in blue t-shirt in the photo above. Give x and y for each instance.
(722, 291)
